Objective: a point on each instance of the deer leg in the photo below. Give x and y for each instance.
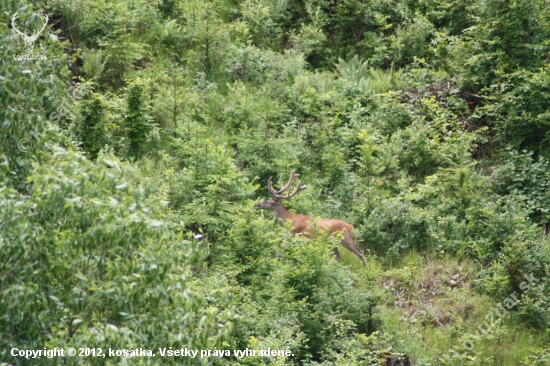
(336, 254)
(348, 243)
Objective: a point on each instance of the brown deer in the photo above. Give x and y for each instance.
(302, 224)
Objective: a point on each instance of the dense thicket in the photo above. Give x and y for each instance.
(425, 125)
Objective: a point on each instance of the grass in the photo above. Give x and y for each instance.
(430, 306)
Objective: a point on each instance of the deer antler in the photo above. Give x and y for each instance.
(278, 194)
(43, 26)
(13, 18)
(32, 38)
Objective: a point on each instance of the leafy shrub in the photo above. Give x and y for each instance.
(308, 295)
(83, 267)
(90, 126)
(33, 90)
(206, 189)
(137, 119)
(527, 180)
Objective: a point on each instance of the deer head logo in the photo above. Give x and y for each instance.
(29, 39)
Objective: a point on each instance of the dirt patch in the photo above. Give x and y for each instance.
(432, 294)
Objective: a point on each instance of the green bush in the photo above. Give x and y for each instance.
(137, 119)
(87, 264)
(32, 93)
(528, 180)
(90, 126)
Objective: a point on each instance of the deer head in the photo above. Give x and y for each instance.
(275, 202)
(29, 39)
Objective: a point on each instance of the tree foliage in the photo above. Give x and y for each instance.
(140, 126)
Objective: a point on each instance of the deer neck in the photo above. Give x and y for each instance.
(282, 215)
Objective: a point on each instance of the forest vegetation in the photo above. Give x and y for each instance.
(137, 125)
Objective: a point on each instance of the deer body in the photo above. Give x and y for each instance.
(303, 224)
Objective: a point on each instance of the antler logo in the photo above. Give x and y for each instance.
(29, 39)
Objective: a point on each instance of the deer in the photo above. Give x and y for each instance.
(30, 40)
(303, 224)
